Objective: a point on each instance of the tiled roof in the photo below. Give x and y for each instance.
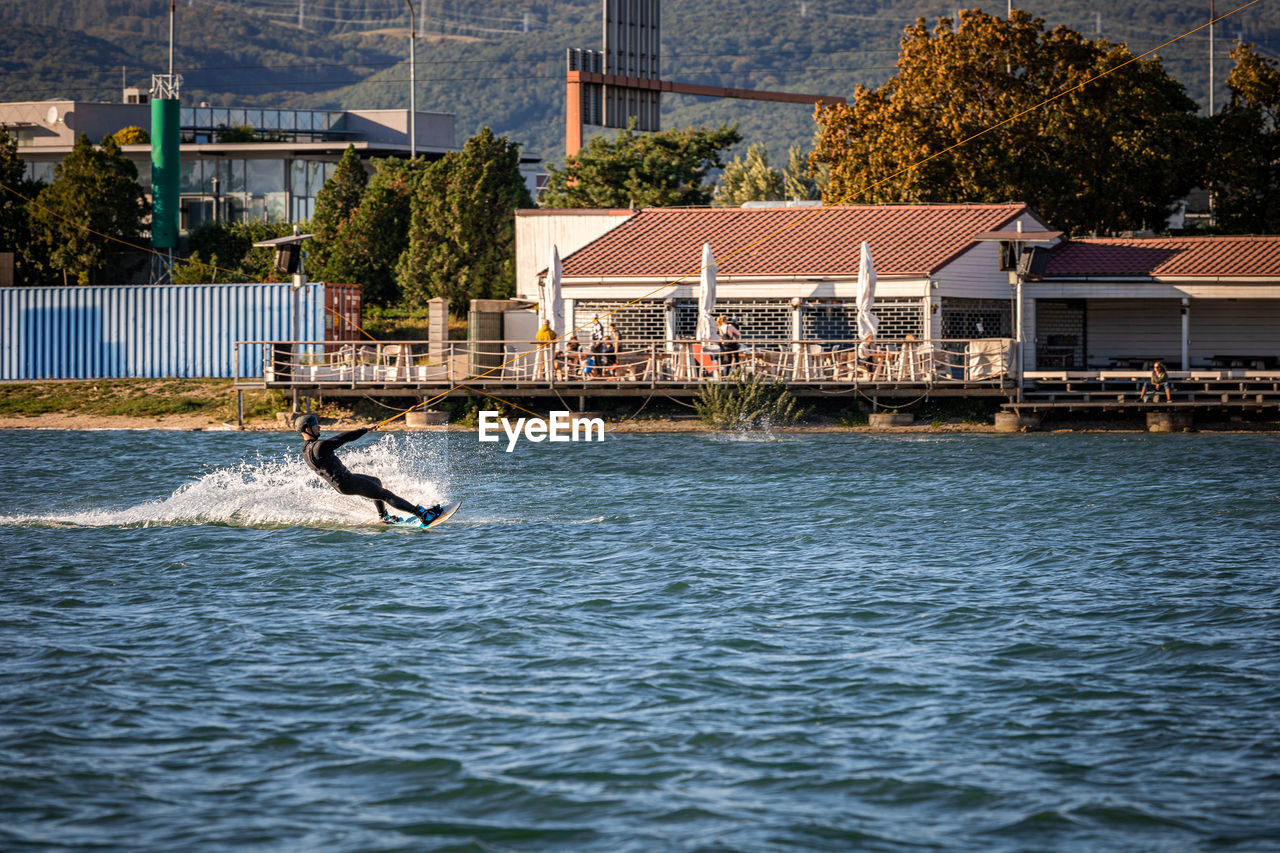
(906, 239)
(1167, 256)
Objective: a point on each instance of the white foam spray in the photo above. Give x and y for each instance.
(283, 491)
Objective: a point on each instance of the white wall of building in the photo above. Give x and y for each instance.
(30, 122)
(435, 131)
(1124, 327)
(976, 274)
(568, 230)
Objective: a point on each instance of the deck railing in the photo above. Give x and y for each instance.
(648, 362)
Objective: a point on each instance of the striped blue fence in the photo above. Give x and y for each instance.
(148, 331)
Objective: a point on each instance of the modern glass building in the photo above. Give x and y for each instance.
(240, 164)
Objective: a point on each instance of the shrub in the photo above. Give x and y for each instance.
(746, 401)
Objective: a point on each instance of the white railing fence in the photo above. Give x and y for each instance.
(652, 361)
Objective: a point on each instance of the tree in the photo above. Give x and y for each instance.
(462, 227)
(90, 218)
(230, 253)
(749, 179)
(15, 221)
(336, 203)
(237, 133)
(1108, 156)
(797, 183)
(640, 170)
(131, 135)
(1245, 175)
(367, 248)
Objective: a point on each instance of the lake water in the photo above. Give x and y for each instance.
(658, 642)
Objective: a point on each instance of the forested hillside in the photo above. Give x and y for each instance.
(501, 63)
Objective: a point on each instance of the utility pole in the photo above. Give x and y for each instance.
(1211, 17)
(413, 100)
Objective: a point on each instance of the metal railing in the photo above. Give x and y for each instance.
(646, 362)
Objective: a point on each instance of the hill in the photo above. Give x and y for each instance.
(501, 64)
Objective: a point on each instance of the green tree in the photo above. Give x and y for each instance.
(797, 183)
(195, 270)
(90, 217)
(1245, 170)
(749, 178)
(228, 246)
(336, 203)
(1108, 156)
(367, 248)
(462, 226)
(237, 133)
(640, 170)
(15, 221)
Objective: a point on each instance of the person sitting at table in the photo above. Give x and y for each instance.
(867, 352)
(571, 356)
(1158, 382)
(606, 351)
(615, 341)
(592, 359)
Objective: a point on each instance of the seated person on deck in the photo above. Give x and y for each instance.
(1158, 382)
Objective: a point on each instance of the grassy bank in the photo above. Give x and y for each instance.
(213, 399)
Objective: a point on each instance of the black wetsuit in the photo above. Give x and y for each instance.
(319, 453)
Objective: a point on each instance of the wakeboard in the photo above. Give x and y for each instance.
(414, 523)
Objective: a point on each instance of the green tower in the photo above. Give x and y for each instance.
(165, 172)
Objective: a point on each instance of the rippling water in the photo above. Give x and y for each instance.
(660, 642)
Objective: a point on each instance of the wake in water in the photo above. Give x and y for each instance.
(757, 430)
(282, 491)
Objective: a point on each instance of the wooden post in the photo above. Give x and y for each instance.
(437, 327)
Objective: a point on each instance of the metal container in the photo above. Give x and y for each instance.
(150, 331)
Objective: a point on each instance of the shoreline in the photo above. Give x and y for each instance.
(203, 423)
(208, 405)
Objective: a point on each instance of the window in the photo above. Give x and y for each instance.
(192, 180)
(265, 176)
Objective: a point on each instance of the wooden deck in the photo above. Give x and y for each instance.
(898, 374)
(1117, 391)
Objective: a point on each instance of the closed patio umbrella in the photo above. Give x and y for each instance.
(706, 330)
(552, 305)
(551, 309)
(868, 323)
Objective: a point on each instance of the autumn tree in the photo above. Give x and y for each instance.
(1245, 169)
(640, 169)
(336, 203)
(749, 178)
(964, 119)
(462, 225)
(90, 217)
(131, 135)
